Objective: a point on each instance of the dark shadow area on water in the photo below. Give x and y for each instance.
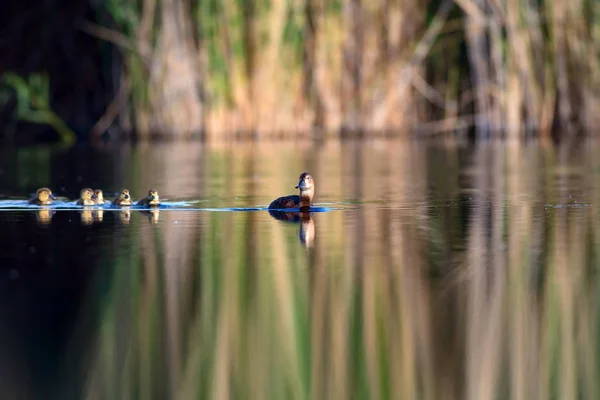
(50, 268)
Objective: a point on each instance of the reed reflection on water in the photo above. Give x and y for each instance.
(450, 272)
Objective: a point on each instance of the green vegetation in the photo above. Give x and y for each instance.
(222, 67)
(33, 103)
(270, 66)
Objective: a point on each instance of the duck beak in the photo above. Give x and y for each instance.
(52, 196)
(301, 184)
(126, 196)
(94, 197)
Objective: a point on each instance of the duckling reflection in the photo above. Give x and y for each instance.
(99, 197)
(98, 215)
(87, 218)
(124, 199)
(43, 197)
(44, 216)
(125, 217)
(306, 234)
(152, 215)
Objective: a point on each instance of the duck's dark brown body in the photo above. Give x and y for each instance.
(292, 201)
(302, 201)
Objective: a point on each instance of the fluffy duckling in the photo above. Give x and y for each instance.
(124, 199)
(86, 197)
(302, 201)
(99, 196)
(43, 197)
(151, 200)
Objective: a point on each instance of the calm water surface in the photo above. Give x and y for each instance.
(437, 271)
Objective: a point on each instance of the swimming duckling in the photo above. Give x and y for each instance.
(86, 197)
(303, 201)
(124, 199)
(99, 196)
(43, 197)
(151, 200)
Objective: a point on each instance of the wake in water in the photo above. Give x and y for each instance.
(181, 205)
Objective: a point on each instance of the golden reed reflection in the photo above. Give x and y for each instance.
(459, 273)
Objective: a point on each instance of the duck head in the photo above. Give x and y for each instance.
(306, 185)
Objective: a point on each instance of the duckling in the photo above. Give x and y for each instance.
(43, 197)
(99, 196)
(303, 201)
(124, 199)
(86, 197)
(151, 200)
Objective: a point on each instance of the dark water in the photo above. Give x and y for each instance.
(434, 270)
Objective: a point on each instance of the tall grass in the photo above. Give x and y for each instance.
(225, 67)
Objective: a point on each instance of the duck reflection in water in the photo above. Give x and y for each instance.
(152, 215)
(306, 234)
(44, 216)
(125, 217)
(87, 217)
(98, 215)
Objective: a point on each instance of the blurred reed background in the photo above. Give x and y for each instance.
(459, 273)
(264, 68)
